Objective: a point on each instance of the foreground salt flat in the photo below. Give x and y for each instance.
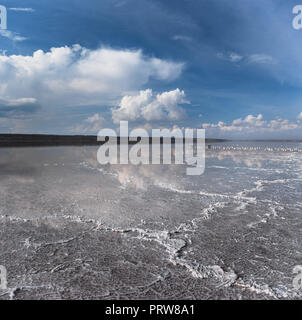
(71, 228)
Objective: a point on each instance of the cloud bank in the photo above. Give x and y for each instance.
(69, 76)
(252, 126)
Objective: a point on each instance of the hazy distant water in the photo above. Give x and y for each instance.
(152, 231)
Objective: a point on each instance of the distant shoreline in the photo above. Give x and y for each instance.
(45, 140)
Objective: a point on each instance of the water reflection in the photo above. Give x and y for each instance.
(43, 181)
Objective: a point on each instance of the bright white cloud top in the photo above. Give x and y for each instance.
(73, 76)
(151, 107)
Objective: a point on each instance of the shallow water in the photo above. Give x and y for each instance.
(71, 228)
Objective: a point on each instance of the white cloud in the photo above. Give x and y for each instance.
(252, 125)
(299, 116)
(95, 118)
(261, 59)
(232, 57)
(250, 58)
(15, 108)
(22, 9)
(12, 35)
(92, 124)
(68, 76)
(250, 121)
(181, 38)
(17, 102)
(150, 107)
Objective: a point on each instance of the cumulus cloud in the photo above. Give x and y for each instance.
(299, 116)
(78, 76)
(151, 107)
(92, 124)
(252, 125)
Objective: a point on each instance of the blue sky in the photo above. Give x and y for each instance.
(233, 67)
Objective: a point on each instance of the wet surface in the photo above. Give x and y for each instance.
(72, 229)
